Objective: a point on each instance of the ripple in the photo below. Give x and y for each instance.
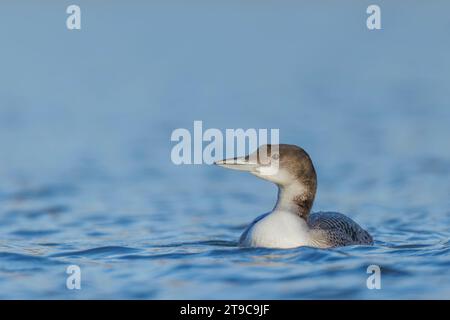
(34, 233)
(43, 192)
(35, 213)
(158, 256)
(21, 257)
(219, 243)
(99, 252)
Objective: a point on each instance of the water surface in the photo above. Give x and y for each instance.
(85, 124)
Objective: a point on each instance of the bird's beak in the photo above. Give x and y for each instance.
(240, 163)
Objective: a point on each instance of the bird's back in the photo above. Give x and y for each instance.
(333, 229)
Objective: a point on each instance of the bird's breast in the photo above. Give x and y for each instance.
(278, 229)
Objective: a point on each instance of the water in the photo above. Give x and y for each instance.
(85, 124)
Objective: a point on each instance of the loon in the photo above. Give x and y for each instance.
(290, 224)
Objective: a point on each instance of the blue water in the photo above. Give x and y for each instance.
(85, 124)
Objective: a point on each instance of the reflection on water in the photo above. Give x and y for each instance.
(86, 176)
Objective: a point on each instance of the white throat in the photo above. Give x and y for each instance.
(287, 196)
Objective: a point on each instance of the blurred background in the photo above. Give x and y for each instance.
(85, 124)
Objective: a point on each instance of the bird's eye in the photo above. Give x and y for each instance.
(276, 156)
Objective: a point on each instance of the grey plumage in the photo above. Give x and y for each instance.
(333, 229)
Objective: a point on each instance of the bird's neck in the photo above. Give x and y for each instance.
(296, 198)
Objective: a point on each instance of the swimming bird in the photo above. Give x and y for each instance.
(290, 224)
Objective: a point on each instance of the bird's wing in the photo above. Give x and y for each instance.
(337, 229)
